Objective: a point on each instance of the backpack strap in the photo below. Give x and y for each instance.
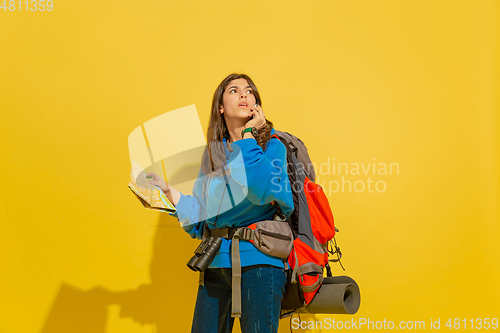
(235, 234)
(236, 278)
(298, 148)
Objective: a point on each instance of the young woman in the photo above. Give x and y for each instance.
(242, 179)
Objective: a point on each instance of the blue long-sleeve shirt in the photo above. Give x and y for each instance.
(256, 178)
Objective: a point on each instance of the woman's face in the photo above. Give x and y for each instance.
(237, 100)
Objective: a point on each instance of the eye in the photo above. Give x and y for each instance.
(232, 91)
(250, 91)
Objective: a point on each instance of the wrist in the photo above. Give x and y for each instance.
(254, 132)
(166, 189)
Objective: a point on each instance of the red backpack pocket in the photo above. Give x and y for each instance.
(319, 209)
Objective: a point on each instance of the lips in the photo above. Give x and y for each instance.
(243, 104)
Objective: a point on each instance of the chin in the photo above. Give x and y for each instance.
(245, 113)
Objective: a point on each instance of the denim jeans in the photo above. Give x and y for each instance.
(262, 288)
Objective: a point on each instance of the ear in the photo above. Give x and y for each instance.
(221, 109)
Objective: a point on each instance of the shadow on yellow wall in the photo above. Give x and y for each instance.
(82, 311)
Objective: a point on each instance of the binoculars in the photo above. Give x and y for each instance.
(204, 254)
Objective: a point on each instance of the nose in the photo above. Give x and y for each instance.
(243, 95)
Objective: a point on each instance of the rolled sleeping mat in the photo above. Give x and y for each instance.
(337, 295)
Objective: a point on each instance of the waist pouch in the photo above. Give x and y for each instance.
(273, 237)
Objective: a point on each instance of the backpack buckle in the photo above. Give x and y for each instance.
(244, 233)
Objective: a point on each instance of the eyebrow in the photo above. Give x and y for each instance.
(237, 87)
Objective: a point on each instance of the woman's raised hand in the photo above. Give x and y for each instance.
(154, 179)
(259, 119)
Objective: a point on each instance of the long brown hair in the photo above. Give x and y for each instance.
(214, 156)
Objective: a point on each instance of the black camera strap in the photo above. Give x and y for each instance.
(209, 232)
(226, 178)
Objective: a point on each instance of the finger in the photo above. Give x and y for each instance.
(261, 122)
(259, 112)
(155, 182)
(259, 109)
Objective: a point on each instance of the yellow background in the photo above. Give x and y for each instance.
(408, 82)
